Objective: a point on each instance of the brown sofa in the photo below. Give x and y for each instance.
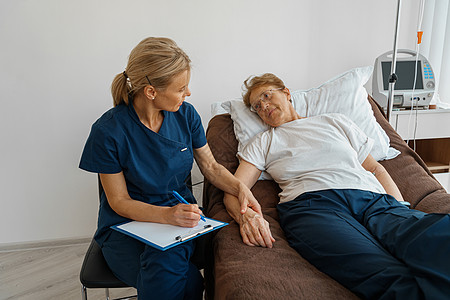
(237, 271)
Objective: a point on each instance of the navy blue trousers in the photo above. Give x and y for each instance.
(154, 273)
(371, 244)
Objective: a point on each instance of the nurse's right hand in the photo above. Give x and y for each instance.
(185, 215)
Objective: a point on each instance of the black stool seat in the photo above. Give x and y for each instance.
(95, 272)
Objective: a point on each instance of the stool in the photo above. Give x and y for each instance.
(95, 273)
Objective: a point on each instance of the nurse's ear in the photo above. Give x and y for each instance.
(150, 92)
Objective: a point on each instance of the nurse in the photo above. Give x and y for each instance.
(143, 149)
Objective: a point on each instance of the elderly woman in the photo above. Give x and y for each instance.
(339, 208)
(143, 149)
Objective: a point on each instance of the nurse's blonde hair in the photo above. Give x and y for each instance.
(154, 61)
(254, 82)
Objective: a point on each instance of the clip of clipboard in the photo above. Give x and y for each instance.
(166, 236)
(183, 238)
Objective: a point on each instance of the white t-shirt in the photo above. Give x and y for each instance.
(313, 154)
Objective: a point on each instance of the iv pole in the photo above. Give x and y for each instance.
(393, 76)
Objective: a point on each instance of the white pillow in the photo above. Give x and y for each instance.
(246, 124)
(343, 94)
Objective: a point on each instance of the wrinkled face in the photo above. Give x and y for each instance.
(172, 97)
(271, 104)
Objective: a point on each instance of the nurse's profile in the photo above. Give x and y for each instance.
(143, 148)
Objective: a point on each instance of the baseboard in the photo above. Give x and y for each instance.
(9, 247)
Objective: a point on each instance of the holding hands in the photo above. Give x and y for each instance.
(255, 230)
(247, 200)
(246, 211)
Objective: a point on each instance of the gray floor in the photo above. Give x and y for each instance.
(47, 273)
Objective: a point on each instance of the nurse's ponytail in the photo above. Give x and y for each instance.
(120, 89)
(154, 61)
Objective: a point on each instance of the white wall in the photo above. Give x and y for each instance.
(58, 59)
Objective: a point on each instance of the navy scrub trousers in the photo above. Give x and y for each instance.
(181, 278)
(371, 244)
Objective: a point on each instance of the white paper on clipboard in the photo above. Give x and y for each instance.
(165, 236)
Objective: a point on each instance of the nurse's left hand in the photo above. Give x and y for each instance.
(185, 215)
(246, 199)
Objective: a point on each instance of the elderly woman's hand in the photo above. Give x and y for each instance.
(255, 230)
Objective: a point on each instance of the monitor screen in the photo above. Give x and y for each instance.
(405, 75)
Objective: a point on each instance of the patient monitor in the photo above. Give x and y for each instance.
(405, 96)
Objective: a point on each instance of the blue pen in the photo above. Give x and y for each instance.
(182, 200)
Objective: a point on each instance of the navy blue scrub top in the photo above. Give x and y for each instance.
(153, 164)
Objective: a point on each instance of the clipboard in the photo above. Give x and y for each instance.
(166, 236)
